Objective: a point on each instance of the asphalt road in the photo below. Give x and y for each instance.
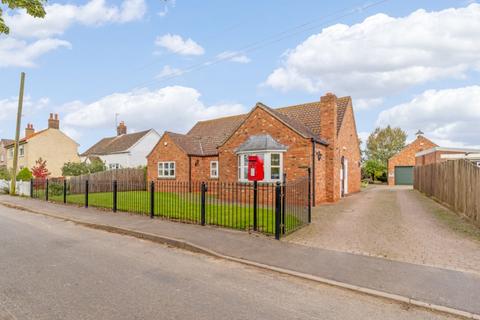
(51, 269)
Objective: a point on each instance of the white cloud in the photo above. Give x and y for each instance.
(450, 117)
(169, 71)
(176, 44)
(382, 54)
(8, 107)
(233, 56)
(174, 108)
(73, 133)
(20, 53)
(32, 37)
(60, 17)
(363, 136)
(365, 104)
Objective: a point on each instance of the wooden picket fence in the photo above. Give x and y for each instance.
(103, 181)
(454, 183)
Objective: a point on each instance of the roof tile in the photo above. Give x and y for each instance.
(205, 136)
(117, 144)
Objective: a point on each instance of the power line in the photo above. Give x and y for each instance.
(267, 41)
(257, 45)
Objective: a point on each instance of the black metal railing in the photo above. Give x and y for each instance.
(270, 208)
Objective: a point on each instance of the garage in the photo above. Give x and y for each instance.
(403, 175)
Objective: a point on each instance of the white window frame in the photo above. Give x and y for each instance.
(169, 167)
(214, 171)
(21, 151)
(113, 166)
(242, 165)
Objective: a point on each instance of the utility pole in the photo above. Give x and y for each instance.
(17, 135)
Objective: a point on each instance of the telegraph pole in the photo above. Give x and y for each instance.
(17, 135)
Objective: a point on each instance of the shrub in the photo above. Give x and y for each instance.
(24, 175)
(40, 170)
(55, 189)
(4, 173)
(96, 166)
(72, 169)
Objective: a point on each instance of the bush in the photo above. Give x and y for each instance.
(374, 169)
(4, 173)
(72, 169)
(55, 189)
(96, 166)
(24, 175)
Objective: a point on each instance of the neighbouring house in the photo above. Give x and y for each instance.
(320, 135)
(3, 151)
(440, 154)
(400, 166)
(50, 144)
(125, 150)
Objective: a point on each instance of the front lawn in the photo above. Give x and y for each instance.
(184, 207)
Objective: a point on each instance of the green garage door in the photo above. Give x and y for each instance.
(403, 176)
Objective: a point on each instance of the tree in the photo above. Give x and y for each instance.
(34, 8)
(374, 169)
(24, 175)
(73, 169)
(384, 143)
(40, 170)
(96, 165)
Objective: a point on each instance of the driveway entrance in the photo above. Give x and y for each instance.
(396, 223)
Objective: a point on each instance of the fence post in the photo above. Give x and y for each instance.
(309, 195)
(86, 193)
(64, 190)
(31, 187)
(204, 190)
(115, 188)
(152, 199)
(255, 202)
(278, 209)
(284, 192)
(46, 191)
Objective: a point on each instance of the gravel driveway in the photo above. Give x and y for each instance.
(395, 223)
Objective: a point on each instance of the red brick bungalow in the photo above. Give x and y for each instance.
(321, 135)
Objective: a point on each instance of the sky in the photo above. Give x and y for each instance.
(167, 64)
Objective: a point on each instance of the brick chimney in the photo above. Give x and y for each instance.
(29, 131)
(328, 131)
(121, 129)
(53, 121)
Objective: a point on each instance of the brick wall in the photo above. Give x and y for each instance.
(295, 160)
(328, 121)
(406, 157)
(201, 168)
(321, 180)
(348, 147)
(166, 150)
(434, 157)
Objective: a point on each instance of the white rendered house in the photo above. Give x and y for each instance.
(124, 150)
